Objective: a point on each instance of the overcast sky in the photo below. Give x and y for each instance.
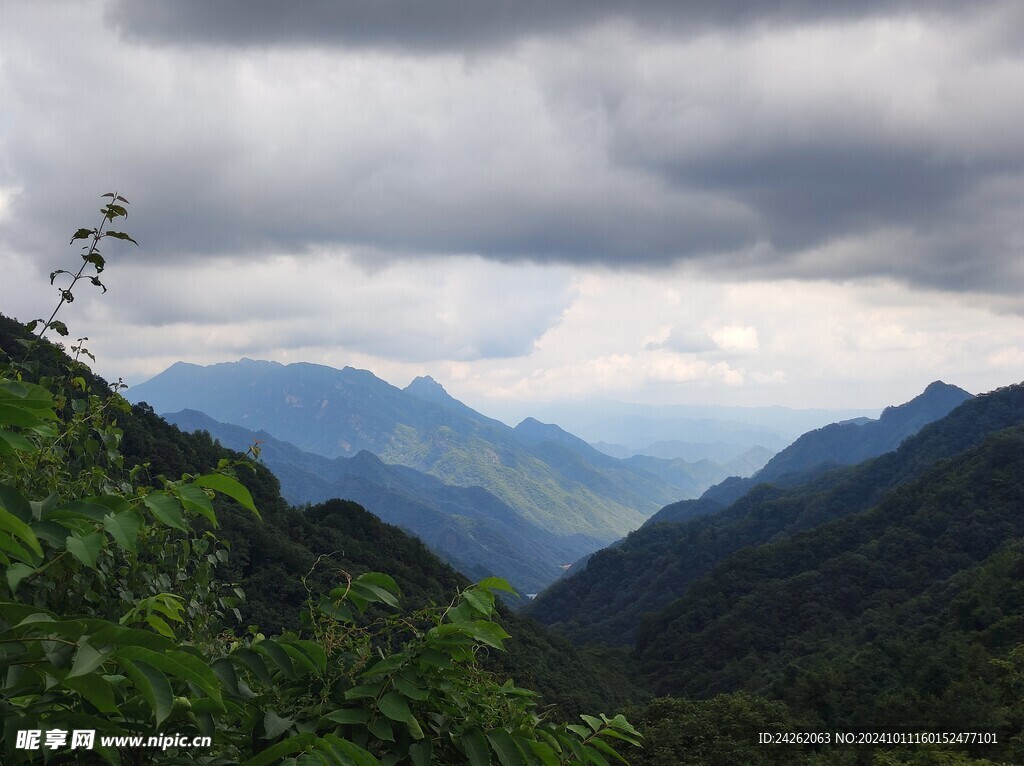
(802, 203)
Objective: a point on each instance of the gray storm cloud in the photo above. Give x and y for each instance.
(774, 140)
(452, 24)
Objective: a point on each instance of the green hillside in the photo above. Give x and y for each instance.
(606, 601)
(469, 527)
(898, 618)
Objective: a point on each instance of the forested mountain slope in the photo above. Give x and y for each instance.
(605, 602)
(891, 619)
(469, 527)
(582, 497)
(850, 443)
(847, 443)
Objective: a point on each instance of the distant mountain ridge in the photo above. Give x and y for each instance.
(468, 526)
(553, 481)
(854, 441)
(838, 444)
(654, 565)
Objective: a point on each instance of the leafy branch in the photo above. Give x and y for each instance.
(90, 257)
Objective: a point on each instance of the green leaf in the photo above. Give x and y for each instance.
(475, 746)
(381, 728)
(394, 706)
(128, 638)
(274, 725)
(420, 753)
(353, 753)
(278, 655)
(87, 659)
(299, 658)
(80, 234)
(166, 509)
(230, 487)
(348, 716)
(180, 664)
(592, 722)
(120, 235)
(415, 730)
(254, 662)
(196, 501)
(580, 731)
(12, 414)
(435, 659)
(297, 744)
(16, 573)
(95, 689)
(364, 691)
(16, 528)
(159, 624)
(15, 503)
(409, 689)
(604, 747)
(14, 443)
(314, 652)
(87, 548)
(96, 260)
(481, 600)
(226, 673)
(124, 528)
(153, 685)
(544, 752)
(381, 580)
(496, 583)
(505, 748)
(489, 633)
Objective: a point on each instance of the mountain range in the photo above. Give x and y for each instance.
(607, 600)
(837, 444)
(519, 502)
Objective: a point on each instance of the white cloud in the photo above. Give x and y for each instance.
(736, 338)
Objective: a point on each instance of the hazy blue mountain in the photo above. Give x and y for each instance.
(717, 452)
(468, 526)
(552, 480)
(848, 442)
(637, 426)
(606, 601)
(853, 441)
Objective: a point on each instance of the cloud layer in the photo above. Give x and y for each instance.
(437, 185)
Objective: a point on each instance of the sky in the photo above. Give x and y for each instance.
(748, 203)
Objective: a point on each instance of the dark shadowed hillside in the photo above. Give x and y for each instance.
(890, 619)
(655, 565)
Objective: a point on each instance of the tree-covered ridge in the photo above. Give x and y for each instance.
(470, 527)
(850, 443)
(576, 497)
(606, 601)
(908, 616)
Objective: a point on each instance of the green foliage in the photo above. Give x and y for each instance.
(114, 617)
(720, 731)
